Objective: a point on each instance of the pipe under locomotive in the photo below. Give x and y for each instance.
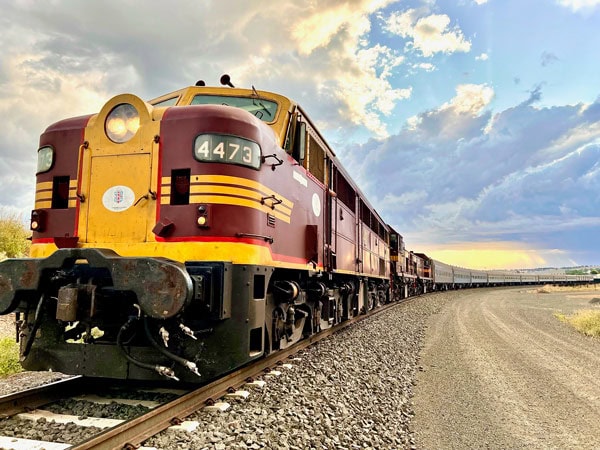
(186, 236)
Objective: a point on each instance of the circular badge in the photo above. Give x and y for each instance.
(316, 205)
(118, 198)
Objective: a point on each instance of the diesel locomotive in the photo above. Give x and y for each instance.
(188, 235)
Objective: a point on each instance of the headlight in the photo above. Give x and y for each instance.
(122, 123)
(45, 159)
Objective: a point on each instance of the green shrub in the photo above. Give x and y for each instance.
(9, 357)
(13, 236)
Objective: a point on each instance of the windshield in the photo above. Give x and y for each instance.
(263, 109)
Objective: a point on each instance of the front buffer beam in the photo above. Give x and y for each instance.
(162, 286)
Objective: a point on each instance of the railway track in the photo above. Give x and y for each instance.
(125, 432)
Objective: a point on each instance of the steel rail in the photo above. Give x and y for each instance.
(17, 402)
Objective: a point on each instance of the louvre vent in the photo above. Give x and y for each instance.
(270, 220)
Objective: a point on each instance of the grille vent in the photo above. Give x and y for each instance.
(270, 220)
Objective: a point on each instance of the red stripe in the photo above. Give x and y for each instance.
(252, 241)
(43, 241)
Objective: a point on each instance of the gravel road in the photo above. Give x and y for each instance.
(501, 372)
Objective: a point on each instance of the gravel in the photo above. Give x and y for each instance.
(23, 380)
(351, 391)
(502, 372)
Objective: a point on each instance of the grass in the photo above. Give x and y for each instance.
(9, 357)
(585, 321)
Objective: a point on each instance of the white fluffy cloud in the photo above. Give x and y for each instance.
(430, 34)
(68, 59)
(579, 5)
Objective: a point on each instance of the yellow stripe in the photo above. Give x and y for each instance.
(234, 181)
(44, 185)
(252, 198)
(47, 185)
(43, 204)
(237, 253)
(245, 182)
(240, 192)
(43, 194)
(225, 200)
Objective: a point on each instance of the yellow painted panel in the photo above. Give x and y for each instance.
(117, 183)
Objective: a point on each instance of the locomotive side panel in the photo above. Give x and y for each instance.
(56, 201)
(345, 238)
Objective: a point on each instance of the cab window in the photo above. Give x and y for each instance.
(265, 110)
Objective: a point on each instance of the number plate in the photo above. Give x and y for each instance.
(227, 149)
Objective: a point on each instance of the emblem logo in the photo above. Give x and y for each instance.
(118, 198)
(118, 195)
(316, 205)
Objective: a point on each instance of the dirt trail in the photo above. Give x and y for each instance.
(501, 372)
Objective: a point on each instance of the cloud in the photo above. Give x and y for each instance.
(70, 58)
(494, 255)
(548, 58)
(527, 174)
(482, 57)
(579, 5)
(447, 122)
(429, 33)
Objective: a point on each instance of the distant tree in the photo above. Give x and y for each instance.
(594, 272)
(574, 272)
(13, 236)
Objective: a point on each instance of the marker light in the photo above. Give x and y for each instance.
(45, 159)
(38, 220)
(202, 219)
(122, 123)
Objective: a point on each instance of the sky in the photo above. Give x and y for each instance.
(472, 126)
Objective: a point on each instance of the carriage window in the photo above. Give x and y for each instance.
(344, 191)
(316, 159)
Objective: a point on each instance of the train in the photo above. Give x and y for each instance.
(185, 236)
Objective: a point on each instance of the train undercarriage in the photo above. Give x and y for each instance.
(81, 311)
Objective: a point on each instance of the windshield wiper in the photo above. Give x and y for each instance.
(254, 102)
